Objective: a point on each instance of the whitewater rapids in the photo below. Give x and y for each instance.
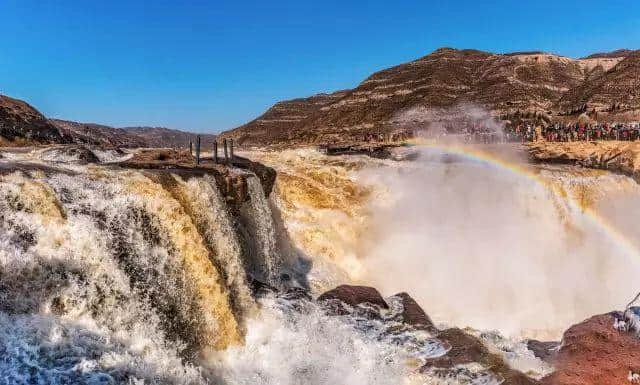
(115, 276)
(476, 243)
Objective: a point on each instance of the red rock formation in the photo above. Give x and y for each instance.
(593, 352)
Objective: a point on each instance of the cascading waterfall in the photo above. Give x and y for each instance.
(91, 291)
(202, 200)
(116, 250)
(258, 214)
(477, 245)
(112, 276)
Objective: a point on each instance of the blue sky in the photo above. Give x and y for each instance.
(212, 65)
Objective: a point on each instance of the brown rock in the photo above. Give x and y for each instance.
(593, 352)
(21, 124)
(355, 295)
(547, 351)
(616, 156)
(267, 175)
(167, 137)
(413, 314)
(466, 349)
(231, 183)
(98, 134)
(614, 94)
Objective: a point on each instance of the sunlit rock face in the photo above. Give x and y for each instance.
(20, 123)
(449, 85)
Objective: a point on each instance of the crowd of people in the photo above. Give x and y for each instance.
(524, 132)
(560, 132)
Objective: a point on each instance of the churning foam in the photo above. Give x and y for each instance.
(507, 250)
(477, 239)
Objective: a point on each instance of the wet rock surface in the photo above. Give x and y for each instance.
(460, 348)
(594, 352)
(267, 175)
(355, 295)
(412, 314)
(466, 349)
(547, 351)
(232, 184)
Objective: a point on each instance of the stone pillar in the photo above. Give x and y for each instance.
(226, 155)
(198, 150)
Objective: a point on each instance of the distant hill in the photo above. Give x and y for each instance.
(440, 86)
(20, 123)
(166, 137)
(617, 53)
(98, 134)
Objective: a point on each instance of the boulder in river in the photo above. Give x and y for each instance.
(466, 349)
(412, 314)
(595, 352)
(547, 351)
(355, 295)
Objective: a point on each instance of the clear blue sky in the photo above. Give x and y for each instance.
(212, 65)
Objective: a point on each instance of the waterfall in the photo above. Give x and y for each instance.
(115, 274)
(202, 200)
(112, 275)
(262, 231)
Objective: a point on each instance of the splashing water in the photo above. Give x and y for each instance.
(114, 276)
(474, 245)
(104, 275)
(307, 347)
(258, 213)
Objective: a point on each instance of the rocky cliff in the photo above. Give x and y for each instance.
(621, 157)
(612, 96)
(446, 85)
(21, 123)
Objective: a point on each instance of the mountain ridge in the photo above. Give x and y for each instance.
(505, 85)
(21, 124)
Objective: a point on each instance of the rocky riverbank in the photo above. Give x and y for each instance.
(394, 151)
(617, 156)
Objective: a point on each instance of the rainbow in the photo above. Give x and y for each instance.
(600, 222)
